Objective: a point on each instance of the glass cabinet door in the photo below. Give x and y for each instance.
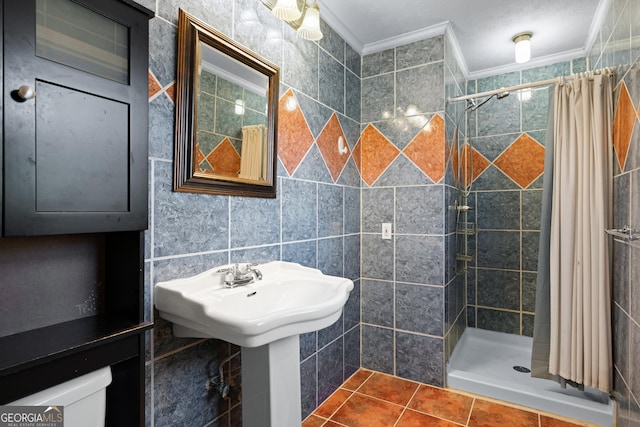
(76, 114)
(76, 36)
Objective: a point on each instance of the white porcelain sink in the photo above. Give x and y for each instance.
(289, 300)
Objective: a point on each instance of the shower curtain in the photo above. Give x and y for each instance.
(573, 297)
(253, 157)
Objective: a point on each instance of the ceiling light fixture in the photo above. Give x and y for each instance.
(522, 43)
(303, 18)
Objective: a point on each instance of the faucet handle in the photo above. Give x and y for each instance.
(230, 269)
(256, 272)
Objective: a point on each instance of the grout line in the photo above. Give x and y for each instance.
(473, 403)
(407, 405)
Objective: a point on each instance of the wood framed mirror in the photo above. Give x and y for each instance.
(226, 115)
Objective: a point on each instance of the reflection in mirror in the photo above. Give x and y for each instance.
(231, 104)
(231, 133)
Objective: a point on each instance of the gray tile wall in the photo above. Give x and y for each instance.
(502, 276)
(409, 326)
(617, 45)
(312, 221)
(455, 317)
(407, 283)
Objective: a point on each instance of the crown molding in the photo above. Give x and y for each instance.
(538, 62)
(596, 24)
(406, 38)
(454, 46)
(336, 24)
(445, 28)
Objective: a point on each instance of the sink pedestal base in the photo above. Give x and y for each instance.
(271, 384)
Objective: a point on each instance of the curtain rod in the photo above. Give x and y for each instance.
(506, 89)
(522, 86)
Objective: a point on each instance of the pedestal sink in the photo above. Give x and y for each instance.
(264, 318)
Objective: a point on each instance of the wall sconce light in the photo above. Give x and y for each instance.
(522, 43)
(287, 10)
(310, 28)
(303, 18)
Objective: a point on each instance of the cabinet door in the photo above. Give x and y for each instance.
(75, 153)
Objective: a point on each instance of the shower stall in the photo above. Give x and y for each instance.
(496, 142)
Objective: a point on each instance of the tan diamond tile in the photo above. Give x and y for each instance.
(154, 85)
(523, 161)
(200, 158)
(427, 149)
(377, 154)
(328, 144)
(225, 159)
(473, 164)
(480, 163)
(623, 122)
(294, 136)
(448, 147)
(455, 159)
(171, 92)
(357, 156)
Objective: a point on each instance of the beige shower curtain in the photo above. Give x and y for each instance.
(580, 278)
(253, 157)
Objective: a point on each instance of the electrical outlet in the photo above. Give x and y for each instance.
(386, 230)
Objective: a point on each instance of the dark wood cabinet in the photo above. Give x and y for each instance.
(74, 197)
(75, 155)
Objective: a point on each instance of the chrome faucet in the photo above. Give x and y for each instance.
(240, 274)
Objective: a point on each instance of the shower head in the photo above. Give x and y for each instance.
(499, 95)
(470, 103)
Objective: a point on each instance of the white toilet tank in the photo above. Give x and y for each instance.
(83, 398)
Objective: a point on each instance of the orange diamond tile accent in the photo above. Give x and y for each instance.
(623, 122)
(427, 149)
(377, 154)
(171, 92)
(328, 144)
(480, 163)
(154, 85)
(199, 156)
(357, 155)
(447, 147)
(455, 159)
(473, 164)
(224, 159)
(523, 161)
(294, 136)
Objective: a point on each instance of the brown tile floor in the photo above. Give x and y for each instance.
(372, 399)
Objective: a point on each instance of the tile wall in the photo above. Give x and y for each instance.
(224, 109)
(314, 220)
(507, 146)
(618, 45)
(401, 168)
(408, 284)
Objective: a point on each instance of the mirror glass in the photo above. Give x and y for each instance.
(226, 108)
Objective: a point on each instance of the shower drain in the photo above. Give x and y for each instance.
(522, 369)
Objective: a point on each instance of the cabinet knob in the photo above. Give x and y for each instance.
(24, 93)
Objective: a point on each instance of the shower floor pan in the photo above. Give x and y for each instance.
(483, 363)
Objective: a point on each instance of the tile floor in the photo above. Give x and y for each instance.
(372, 399)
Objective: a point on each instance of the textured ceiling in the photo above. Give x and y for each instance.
(483, 29)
